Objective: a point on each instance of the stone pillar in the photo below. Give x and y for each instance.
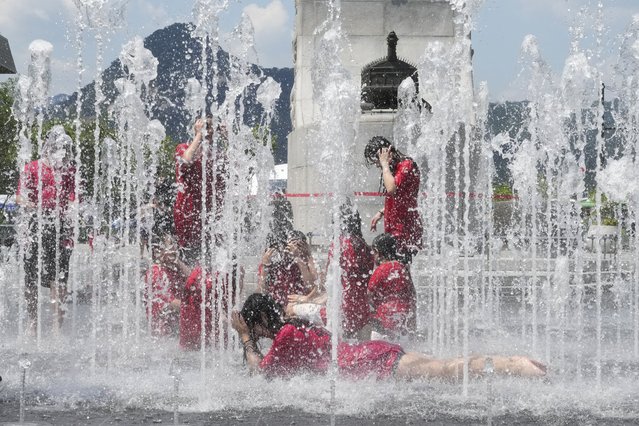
(367, 24)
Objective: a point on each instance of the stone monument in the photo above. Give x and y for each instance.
(387, 37)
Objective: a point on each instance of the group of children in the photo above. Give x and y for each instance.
(377, 300)
(378, 311)
(378, 295)
(378, 303)
(176, 292)
(377, 292)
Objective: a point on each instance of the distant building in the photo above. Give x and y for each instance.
(277, 180)
(8, 211)
(8, 203)
(7, 66)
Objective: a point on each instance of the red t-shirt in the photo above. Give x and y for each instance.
(357, 266)
(188, 202)
(56, 188)
(401, 216)
(302, 349)
(163, 286)
(282, 279)
(191, 308)
(392, 296)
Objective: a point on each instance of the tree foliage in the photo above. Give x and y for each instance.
(8, 139)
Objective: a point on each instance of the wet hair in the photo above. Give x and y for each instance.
(163, 223)
(159, 241)
(374, 145)
(425, 105)
(386, 246)
(262, 309)
(371, 155)
(163, 212)
(350, 220)
(297, 235)
(282, 219)
(275, 239)
(57, 139)
(165, 192)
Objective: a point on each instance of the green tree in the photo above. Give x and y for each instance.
(265, 137)
(8, 139)
(166, 160)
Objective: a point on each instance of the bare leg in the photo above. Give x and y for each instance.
(55, 306)
(58, 298)
(414, 365)
(31, 297)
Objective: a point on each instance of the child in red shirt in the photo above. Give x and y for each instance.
(356, 263)
(221, 289)
(164, 282)
(400, 177)
(287, 269)
(301, 348)
(187, 212)
(48, 184)
(391, 291)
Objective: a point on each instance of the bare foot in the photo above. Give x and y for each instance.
(60, 314)
(31, 329)
(58, 298)
(57, 318)
(526, 367)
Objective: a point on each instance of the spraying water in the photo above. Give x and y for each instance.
(545, 283)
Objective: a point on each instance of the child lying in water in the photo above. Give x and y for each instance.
(299, 347)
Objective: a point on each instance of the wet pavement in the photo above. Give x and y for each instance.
(43, 415)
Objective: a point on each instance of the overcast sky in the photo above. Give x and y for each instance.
(501, 25)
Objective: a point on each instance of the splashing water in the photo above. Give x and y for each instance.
(102, 15)
(541, 282)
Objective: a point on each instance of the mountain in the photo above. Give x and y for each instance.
(511, 119)
(59, 99)
(179, 58)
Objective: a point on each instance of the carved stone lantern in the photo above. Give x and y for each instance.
(381, 78)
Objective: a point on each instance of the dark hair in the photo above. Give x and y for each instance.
(163, 221)
(275, 239)
(374, 145)
(157, 239)
(259, 308)
(350, 221)
(282, 220)
(386, 246)
(158, 242)
(371, 155)
(297, 235)
(165, 192)
(424, 104)
(211, 121)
